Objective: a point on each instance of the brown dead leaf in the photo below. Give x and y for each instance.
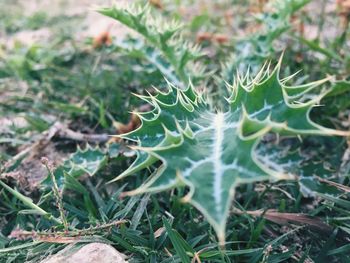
(159, 232)
(20, 234)
(221, 38)
(102, 39)
(344, 12)
(134, 122)
(210, 37)
(337, 185)
(288, 218)
(156, 3)
(58, 239)
(203, 36)
(130, 126)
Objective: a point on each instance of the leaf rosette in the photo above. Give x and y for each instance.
(211, 152)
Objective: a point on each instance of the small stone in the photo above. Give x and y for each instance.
(91, 253)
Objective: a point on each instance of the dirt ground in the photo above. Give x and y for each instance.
(93, 23)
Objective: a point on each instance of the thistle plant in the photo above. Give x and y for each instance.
(164, 45)
(260, 46)
(212, 152)
(206, 150)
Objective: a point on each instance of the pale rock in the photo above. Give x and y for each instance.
(91, 253)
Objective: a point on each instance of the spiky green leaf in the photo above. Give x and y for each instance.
(263, 44)
(268, 100)
(163, 35)
(212, 152)
(88, 160)
(314, 159)
(84, 161)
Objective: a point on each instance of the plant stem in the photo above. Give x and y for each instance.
(57, 194)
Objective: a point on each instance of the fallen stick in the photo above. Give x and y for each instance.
(62, 131)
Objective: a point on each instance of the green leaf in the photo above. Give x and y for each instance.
(315, 157)
(177, 241)
(315, 45)
(89, 160)
(19, 247)
(199, 21)
(211, 152)
(29, 203)
(269, 101)
(253, 50)
(162, 35)
(113, 150)
(339, 88)
(37, 122)
(343, 250)
(338, 98)
(138, 48)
